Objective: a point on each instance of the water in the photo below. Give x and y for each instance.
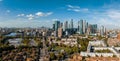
(12, 34)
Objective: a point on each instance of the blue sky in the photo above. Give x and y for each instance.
(37, 13)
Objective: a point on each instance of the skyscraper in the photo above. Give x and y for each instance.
(60, 31)
(57, 24)
(93, 28)
(102, 31)
(84, 26)
(80, 27)
(61, 24)
(71, 24)
(65, 25)
(53, 26)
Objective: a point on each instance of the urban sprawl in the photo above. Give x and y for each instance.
(62, 42)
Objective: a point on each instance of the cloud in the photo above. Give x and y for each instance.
(70, 6)
(110, 18)
(114, 4)
(21, 15)
(76, 8)
(43, 14)
(55, 19)
(110, 15)
(39, 14)
(114, 14)
(35, 15)
(30, 16)
(49, 13)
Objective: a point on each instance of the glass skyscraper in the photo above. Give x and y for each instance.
(80, 27)
(94, 28)
(71, 24)
(57, 25)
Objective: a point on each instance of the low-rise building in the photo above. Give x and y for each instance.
(69, 41)
(15, 42)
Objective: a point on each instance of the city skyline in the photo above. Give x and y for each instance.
(20, 13)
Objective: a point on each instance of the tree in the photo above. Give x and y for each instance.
(49, 48)
(60, 56)
(26, 41)
(75, 49)
(40, 44)
(84, 43)
(47, 43)
(7, 47)
(68, 50)
(52, 56)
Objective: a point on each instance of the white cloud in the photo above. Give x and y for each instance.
(109, 18)
(49, 13)
(114, 14)
(43, 14)
(21, 15)
(70, 6)
(54, 19)
(112, 5)
(76, 8)
(30, 16)
(110, 14)
(39, 14)
(36, 15)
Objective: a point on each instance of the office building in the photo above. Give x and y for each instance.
(53, 27)
(65, 25)
(71, 24)
(102, 31)
(84, 27)
(56, 25)
(60, 32)
(93, 28)
(80, 27)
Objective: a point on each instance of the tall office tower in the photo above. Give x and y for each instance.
(84, 27)
(71, 24)
(61, 24)
(88, 31)
(53, 26)
(65, 25)
(105, 31)
(57, 25)
(102, 31)
(93, 28)
(80, 25)
(87, 24)
(60, 32)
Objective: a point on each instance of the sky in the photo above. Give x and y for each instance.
(37, 13)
